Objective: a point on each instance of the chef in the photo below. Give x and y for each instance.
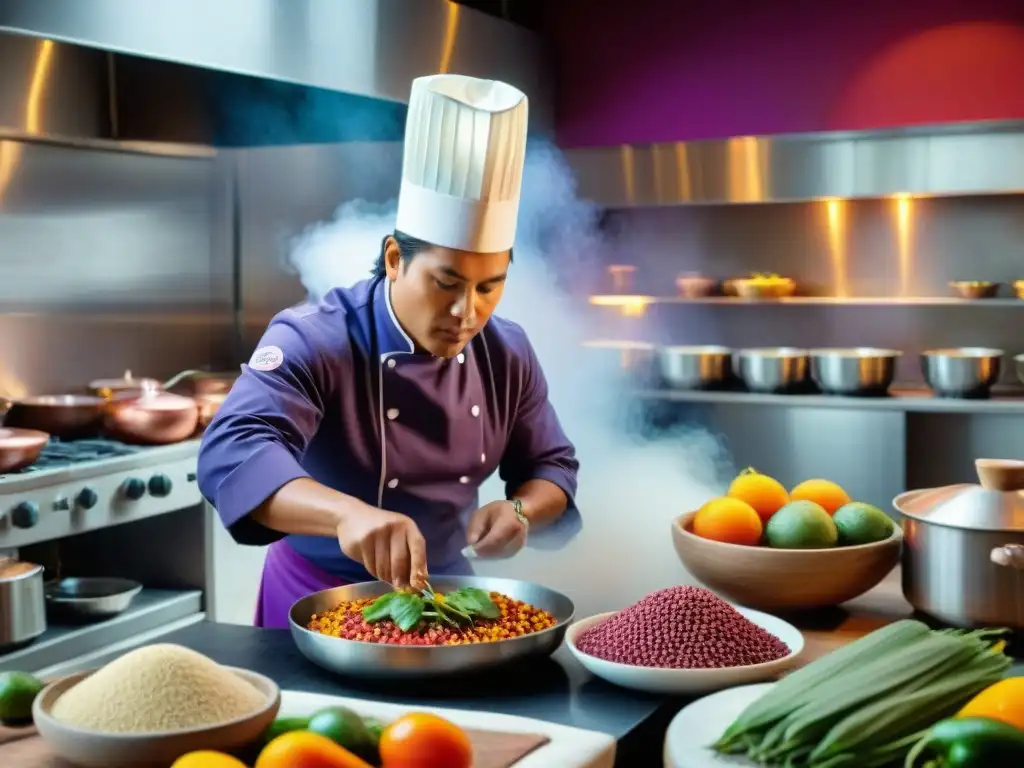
(357, 436)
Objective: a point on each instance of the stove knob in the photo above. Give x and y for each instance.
(160, 485)
(133, 488)
(86, 498)
(25, 515)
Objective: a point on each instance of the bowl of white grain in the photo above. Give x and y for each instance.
(153, 705)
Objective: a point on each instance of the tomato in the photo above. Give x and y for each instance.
(421, 740)
(207, 759)
(302, 749)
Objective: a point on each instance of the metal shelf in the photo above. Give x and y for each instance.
(900, 399)
(152, 608)
(613, 300)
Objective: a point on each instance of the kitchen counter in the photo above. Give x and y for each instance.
(558, 690)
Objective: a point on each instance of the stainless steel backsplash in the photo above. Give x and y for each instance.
(109, 260)
(112, 260)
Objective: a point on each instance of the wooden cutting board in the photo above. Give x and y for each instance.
(23, 748)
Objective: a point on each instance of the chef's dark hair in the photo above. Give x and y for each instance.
(408, 247)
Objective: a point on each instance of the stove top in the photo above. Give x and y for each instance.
(58, 454)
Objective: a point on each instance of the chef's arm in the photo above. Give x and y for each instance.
(307, 508)
(543, 501)
(249, 459)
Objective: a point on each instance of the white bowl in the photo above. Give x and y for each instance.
(688, 681)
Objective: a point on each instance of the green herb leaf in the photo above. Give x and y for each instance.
(406, 611)
(475, 602)
(380, 608)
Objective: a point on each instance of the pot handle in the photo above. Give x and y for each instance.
(1009, 556)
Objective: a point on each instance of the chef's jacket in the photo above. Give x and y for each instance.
(336, 391)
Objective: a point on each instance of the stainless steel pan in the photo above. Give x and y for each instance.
(384, 662)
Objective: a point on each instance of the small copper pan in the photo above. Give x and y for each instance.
(68, 417)
(20, 448)
(192, 383)
(150, 418)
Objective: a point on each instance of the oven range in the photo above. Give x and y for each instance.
(99, 508)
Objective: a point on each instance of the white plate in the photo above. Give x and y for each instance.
(702, 722)
(676, 682)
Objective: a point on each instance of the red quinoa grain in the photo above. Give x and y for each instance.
(681, 628)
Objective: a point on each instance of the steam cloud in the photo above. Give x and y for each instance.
(630, 486)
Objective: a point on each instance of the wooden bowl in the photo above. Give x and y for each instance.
(784, 579)
(967, 289)
(123, 750)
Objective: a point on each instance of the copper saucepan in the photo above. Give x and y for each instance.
(19, 448)
(150, 418)
(191, 382)
(68, 417)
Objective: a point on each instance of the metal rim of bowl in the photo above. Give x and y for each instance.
(964, 353)
(682, 520)
(781, 353)
(854, 353)
(685, 349)
(506, 643)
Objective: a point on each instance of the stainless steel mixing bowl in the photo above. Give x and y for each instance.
(378, 661)
(967, 372)
(705, 367)
(773, 369)
(857, 371)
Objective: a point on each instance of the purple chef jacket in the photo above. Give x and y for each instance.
(336, 391)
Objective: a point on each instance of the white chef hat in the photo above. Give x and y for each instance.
(465, 144)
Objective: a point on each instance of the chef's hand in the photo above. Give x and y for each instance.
(388, 544)
(496, 531)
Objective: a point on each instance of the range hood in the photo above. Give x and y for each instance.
(245, 72)
(960, 159)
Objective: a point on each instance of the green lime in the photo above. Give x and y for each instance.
(801, 525)
(344, 727)
(17, 692)
(285, 725)
(860, 523)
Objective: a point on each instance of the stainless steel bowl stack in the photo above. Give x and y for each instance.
(380, 661)
(695, 367)
(965, 372)
(774, 370)
(856, 372)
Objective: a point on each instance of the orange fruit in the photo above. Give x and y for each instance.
(822, 492)
(729, 520)
(421, 740)
(305, 749)
(765, 494)
(207, 759)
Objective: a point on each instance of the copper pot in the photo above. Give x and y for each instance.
(68, 417)
(208, 407)
(19, 448)
(190, 383)
(151, 418)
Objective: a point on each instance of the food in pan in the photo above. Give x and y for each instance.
(337, 737)
(467, 615)
(681, 628)
(192, 691)
(816, 514)
(867, 703)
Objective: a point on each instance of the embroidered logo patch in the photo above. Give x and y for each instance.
(266, 359)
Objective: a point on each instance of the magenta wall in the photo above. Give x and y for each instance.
(646, 71)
